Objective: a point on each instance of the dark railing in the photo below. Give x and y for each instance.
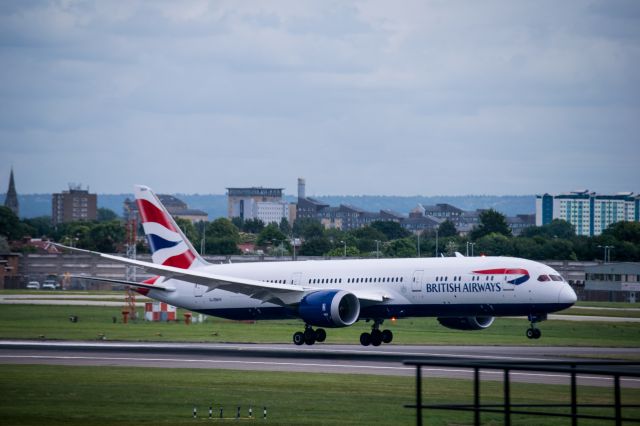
(613, 369)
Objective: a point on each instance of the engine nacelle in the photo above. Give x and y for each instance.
(467, 323)
(329, 308)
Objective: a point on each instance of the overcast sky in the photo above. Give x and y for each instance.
(373, 97)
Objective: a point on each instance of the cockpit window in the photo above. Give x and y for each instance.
(544, 278)
(556, 277)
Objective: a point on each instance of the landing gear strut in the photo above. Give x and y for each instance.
(532, 331)
(309, 336)
(376, 337)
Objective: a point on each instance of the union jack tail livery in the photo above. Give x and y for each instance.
(169, 246)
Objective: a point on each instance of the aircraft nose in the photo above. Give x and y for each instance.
(567, 295)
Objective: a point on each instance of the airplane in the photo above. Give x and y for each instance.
(463, 293)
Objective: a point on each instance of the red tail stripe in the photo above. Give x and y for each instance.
(182, 261)
(151, 213)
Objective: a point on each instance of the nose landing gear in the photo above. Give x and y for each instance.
(309, 336)
(377, 337)
(532, 331)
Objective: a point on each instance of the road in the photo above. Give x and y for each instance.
(347, 359)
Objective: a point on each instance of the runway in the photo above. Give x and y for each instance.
(344, 359)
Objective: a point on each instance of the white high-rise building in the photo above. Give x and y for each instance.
(588, 212)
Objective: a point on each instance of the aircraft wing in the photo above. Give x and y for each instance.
(282, 294)
(125, 282)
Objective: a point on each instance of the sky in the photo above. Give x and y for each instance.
(358, 97)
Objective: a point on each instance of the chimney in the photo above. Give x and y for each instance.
(301, 186)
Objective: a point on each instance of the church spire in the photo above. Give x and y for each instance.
(11, 199)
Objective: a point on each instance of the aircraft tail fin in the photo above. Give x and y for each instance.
(169, 246)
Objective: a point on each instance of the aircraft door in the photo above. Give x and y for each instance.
(296, 278)
(198, 290)
(416, 281)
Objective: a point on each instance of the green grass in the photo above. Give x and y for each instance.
(618, 313)
(52, 322)
(623, 305)
(39, 395)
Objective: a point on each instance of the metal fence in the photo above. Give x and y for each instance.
(572, 369)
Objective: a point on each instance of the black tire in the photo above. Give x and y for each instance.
(298, 338)
(387, 336)
(530, 333)
(376, 338)
(365, 339)
(537, 333)
(321, 335)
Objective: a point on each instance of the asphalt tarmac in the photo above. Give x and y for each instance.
(319, 358)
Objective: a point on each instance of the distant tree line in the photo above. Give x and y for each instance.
(492, 237)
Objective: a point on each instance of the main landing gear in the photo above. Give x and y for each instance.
(376, 337)
(532, 331)
(309, 336)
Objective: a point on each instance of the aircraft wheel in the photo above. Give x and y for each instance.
(298, 338)
(537, 333)
(365, 339)
(321, 335)
(376, 338)
(387, 336)
(309, 336)
(530, 333)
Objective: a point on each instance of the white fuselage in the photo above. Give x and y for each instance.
(454, 286)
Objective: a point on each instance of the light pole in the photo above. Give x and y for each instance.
(418, 244)
(472, 244)
(377, 249)
(467, 249)
(293, 242)
(345, 247)
(436, 242)
(202, 241)
(607, 253)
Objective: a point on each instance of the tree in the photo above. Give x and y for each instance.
(447, 229)
(339, 252)
(557, 249)
(558, 228)
(491, 222)
(624, 231)
(41, 226)
(405, 247)
(271, 235)
(106, 215)
(308, 228)
(253, 226)
(238, 222)
(188, 229)
(315, 246)
(10, 225)
(106, 236)
(284, 226)
(366, 238)
(494, 244)
(392, 230)
(222, 237)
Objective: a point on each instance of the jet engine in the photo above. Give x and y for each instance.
(329, 308)
(467, 323)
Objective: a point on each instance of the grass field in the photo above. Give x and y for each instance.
(52, 322)
(47, 395)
